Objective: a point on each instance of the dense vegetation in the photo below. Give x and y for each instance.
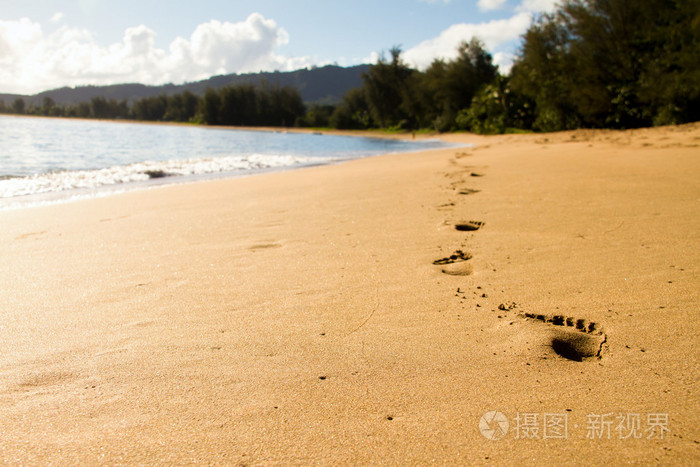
(230, 105)
(592, 64)
(612, 63)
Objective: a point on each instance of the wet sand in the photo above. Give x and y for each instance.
(395, 310)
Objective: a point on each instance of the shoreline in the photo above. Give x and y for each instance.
(65, 185)
(302, 130)
(83, 194)
(373, 311)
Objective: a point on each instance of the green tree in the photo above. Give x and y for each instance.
(317, 116)
(99, 108)
(543, 74)
(151, 108)
(249, 105)
(353, 112)
(18, 106)
(48, 107)
(181, 107)
(612, 63)
(488, 112)
(464, 76)
(670, 83)
(210, 106)
(448, 87)
(238, 105)
(286, 106)
(83, 110)
(103, 108)
(434, 97)
(386, 87)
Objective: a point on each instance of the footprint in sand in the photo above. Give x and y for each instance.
(467, 191)
(469, 226)
(573, 338)
(47, 378)
(264, 246)
(29, 235)
(456, 264)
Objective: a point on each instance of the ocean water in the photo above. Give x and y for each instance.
(48, 160)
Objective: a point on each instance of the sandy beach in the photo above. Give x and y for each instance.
(534, 299)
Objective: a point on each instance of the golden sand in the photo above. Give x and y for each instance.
(378, 311)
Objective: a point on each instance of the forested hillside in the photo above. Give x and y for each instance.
(325, 85)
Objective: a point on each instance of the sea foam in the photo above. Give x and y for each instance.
(90, 179)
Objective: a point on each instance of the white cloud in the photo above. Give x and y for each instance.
(31, 61)
(547, 6)
(494, 35)
(500, 37)
(486, 5)
(56, 17)
(373, 58)
(504, 60)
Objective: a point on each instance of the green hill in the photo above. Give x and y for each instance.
(325, 85)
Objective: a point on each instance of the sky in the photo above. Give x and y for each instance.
(47, 44)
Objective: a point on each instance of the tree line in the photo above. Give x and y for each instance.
(589, 64)
(612, 63)
(232, 105)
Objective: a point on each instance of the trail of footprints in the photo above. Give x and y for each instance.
(572, 338)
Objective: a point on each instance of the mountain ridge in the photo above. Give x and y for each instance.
(321, 85)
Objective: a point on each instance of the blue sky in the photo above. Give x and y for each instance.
(48, 44)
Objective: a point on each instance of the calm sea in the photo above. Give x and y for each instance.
(47, 160)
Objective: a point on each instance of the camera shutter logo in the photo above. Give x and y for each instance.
(493, 425)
